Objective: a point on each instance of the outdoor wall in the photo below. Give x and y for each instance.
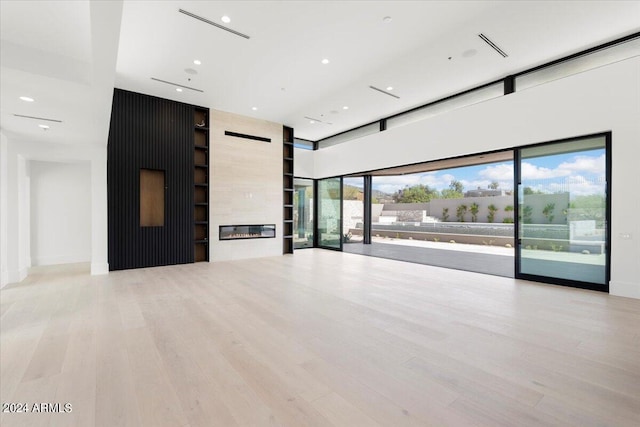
(603, 99)
(246, 184)
(352, 215)
(60, 212)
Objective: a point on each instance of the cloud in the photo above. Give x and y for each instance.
(501, 172)
(590, 164)
(581, 174)
(578, 164)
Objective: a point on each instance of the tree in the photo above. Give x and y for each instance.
(474, 208)
(349, 192)
(547, 211)
(529, 191)
(447, 193)
(591, 206)
(492, 212)
(494, 185)
(454, 191)
(456, 186)
(509, 219)
(460, 211)
(416, 194)
(445, 214)
(527, 211)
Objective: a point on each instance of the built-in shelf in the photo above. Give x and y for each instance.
(201, 184)
(288, 189)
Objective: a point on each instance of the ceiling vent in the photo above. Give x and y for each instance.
(38, 118)
(384, 91)
(317, 120)
(205, 20)
(176, 84)
(494, 46)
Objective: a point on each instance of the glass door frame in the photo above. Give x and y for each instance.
(316, 210)
(607, 243)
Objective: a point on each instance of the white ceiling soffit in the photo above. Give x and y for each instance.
(279, 70)
(63, 55)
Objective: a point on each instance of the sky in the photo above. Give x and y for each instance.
(581, 173)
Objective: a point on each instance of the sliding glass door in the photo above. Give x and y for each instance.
(302, 213)
(563, 212)
(330, 213)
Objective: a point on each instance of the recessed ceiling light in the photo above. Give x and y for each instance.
(26, 99)
(311, 121)
(389, 87)
(225, 19)
(43, 126)
(197, 61)
(346, 107)
(178, 89)
(325, 61)
(254, 108)
(387, 19)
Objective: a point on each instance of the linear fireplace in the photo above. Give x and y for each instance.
(235, 232)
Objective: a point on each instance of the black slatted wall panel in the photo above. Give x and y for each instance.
(149, 133)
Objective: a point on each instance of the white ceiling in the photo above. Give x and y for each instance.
(63, 54)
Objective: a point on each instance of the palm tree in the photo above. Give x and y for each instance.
(474, 208)
(509, 219)
(548, 212)
(492, 212)
(460, 211)
(445, 214)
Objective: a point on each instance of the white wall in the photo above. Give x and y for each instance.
(303, 163)
(4, 189)
(16, 201)
(603, 99)
(60, 212)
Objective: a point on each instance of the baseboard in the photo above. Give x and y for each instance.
(59, 259)
(624, 289)
(98, 268)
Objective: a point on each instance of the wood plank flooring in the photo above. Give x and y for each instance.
(319, 338)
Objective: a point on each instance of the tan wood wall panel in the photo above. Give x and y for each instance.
(246, 184)
(151, 198)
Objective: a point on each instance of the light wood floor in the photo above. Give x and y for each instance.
(320, 338)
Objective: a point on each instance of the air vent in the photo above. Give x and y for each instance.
(38, 118)
(384, 91)
(317, 120)
(245, 136)
(494, 46)
(205, 20)
(176, 84)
